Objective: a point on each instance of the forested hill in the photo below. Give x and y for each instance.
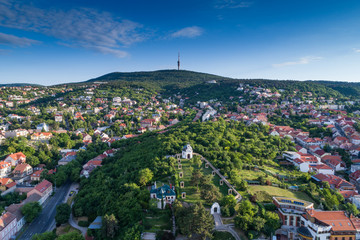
(345, 88)
(162, 78)
(20, 85)
(198, 86)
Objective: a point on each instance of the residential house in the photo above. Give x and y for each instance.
(36, 175)
(15, 158)
(322, 168)
(41, 136)
(44, 189)
(5, 183)
(335, 182)
(22, 170)
(69, 156)
(42, 127)
(164, 194)
(335, 162)
(5, 169)
(324, 225)
(7, 226)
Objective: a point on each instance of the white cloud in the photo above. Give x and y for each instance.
(303, 60)
(82, 27)
(220, 4)
(356, 50)
(8, 39)
(188, 32)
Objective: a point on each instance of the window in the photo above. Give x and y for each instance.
(343, 238)
(336, 238)
(350, 238)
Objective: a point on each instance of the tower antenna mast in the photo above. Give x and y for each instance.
(178, 62)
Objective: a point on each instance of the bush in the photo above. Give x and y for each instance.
(270, 207)
(83, 223)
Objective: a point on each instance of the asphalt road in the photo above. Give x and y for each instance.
(46, 220)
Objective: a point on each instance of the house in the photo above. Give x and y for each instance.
(22, 170)
(147, 123)
(335, 162)
(354, 176)
(322, 168)
(4, 183)
(16, 133)
(44, 189)
(164, 194)
(69, 156)
(335, 182)
(323, 225)
(15, 158)
(42, 127)
(187, 152)
(58, 118)
(36, 175)
(5, 169)
(7, 226)
(41, 136)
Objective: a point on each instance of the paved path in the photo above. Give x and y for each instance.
(46, 220)
(73, 223)
(219, 226)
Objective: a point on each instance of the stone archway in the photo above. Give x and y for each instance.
(215, 208)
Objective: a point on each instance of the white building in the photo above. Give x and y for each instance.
(187, 152)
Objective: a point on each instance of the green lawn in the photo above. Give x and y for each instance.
(157, 220)
(275, 191)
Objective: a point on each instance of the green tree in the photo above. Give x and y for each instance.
(31, 211)
(133, 233)
(62, 213)
(272, 222)
(351, 208)
(44, 236)
(210, 193)
(110, 225)
(32, 160)
(196, 177)
(71, 236)
(145, 176)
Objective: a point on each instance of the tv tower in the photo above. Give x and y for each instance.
(178, 62)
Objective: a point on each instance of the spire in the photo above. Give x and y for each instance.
(178, 62)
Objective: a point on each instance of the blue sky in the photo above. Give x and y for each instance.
(53, 41)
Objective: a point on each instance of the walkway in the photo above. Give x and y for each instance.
(73, 223)
(219, 226)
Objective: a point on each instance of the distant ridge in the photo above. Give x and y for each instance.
(159, 75)
(21, 85)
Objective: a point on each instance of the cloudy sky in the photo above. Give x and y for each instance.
(57, 41)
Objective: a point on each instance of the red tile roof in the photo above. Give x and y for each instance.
(41, 187)
(336, 219)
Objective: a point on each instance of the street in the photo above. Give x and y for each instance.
(46, 220)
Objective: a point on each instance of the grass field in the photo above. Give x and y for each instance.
(65, 228)
(275, 191)
(158, 220)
